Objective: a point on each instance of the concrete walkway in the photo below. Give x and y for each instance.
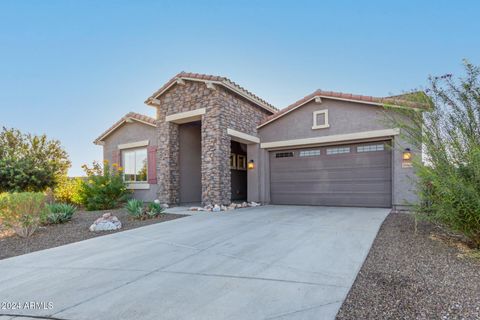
(272, 262)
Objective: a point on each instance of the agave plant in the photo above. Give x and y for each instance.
(135, 208)
(60, 212)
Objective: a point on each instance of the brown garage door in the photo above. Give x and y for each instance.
(344, 175)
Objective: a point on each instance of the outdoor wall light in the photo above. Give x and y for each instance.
(407, 158)
(251, 165)
(407, 154)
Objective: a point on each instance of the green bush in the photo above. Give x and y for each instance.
(449, 174)
(59, 213)
(68, 190)
(134, 208)
(154, 209)
(29, 162)
(104, 187)
(22, 211)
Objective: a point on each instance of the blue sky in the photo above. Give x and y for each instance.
(70, 69)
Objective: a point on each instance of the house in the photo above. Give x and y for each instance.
(214, 142)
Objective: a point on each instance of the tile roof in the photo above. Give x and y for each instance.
(130, 115)
(410, 100)
(218, 79)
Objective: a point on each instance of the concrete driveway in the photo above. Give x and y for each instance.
(272, 262)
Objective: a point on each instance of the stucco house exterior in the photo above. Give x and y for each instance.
(214, 142)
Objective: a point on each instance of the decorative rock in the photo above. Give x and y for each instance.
(106, 223)
(196, 209)
(254, 204)
(244, 205)
(223, 208)
(165, 205)
(216, 208)
(156, 201)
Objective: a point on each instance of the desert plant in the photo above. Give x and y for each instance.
(154, 209)
(134, 208)
(59, 212)
(104, 187)
(22, 211)
(449, 175)
(68, 190)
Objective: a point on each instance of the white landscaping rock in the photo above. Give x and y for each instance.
(156, 201)
(216, 208)
(165, 205)
(254, 204)
(106, 223)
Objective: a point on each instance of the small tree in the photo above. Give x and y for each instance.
(29, 162)
(104, 187)
(449, 175)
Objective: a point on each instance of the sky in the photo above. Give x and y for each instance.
(70, 69)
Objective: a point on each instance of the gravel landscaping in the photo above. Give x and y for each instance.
(76, 230)
(410, 275)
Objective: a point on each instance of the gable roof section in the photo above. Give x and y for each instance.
(131, 116)
(223, 81)
(416, 100)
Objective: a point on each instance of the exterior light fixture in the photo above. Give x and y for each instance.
(407, 154)
(407, 158)
(251, 165)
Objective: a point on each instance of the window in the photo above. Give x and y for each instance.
(241, 162)
(339, 150)
(233, 161)
(320, 119)
(309, 153)
(283, 154)
(371, 148)
(135, 165)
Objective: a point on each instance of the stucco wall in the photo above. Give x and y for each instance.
(127, 133)
(344, 117)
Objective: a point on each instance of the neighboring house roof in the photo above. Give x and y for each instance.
(129, 117)
(225, 82)
(416, 100)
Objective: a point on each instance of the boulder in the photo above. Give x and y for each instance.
(107, 222)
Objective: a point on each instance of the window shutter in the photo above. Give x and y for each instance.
(152, 164)
(116, 157)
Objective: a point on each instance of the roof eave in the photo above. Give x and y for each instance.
(226, 84)
(385, 104)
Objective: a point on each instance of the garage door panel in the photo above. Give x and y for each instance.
(329, 174)
(337, 186)
(349, 179)
(334, 199)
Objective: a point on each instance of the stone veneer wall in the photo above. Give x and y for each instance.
(224, 109)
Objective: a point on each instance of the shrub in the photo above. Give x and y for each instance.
(104, 187)
(154, 209)
(59, 212)
(22, 211)
(68, 190)
(29, 162)
(135, 208)
(449, 175)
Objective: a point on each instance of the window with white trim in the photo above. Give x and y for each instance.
(320, 119)
(338, 150)
(371, 148)
(309, 153)
(134, 162)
